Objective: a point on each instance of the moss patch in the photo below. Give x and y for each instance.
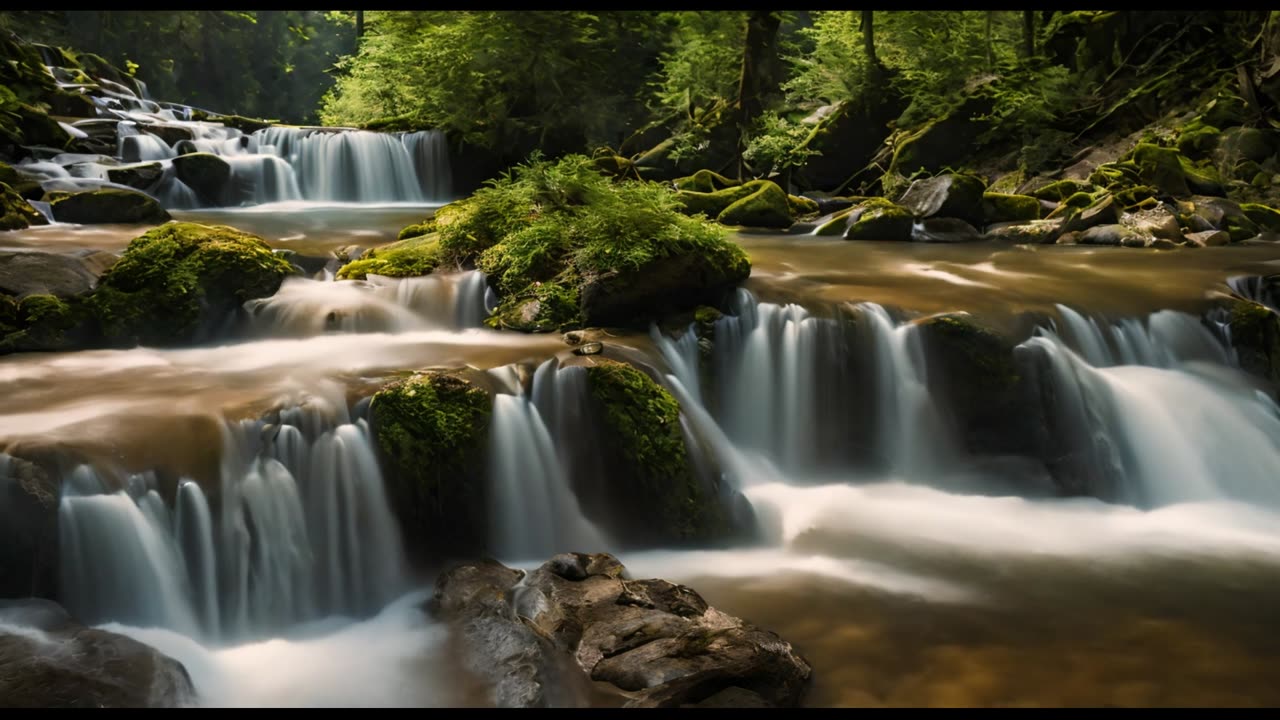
(15, 212)
(1172, 172)
(999, 207)
(1263, 216)
(405, 258)
(879, 219)
(766, 207)
(416, 230)
(1061, 190)
(802, 206)
(705, 181)
(655, 482)
(108, 205)
(432, 431)
(1255, 335)
(176, 281)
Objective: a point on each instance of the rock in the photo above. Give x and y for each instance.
(431, 432)
(578, 618)
(1102, 212)
(205, 173)
(1262, 216)
(1209, 238)
(58, 274)
(713, 204)
(766, 207)
(1164, 244)
(1113, 234)
(801, 206)
(879, 219)
(1255, 334)
(1219, 214)
(999, 207)
(1071, 205)
(572, 338)
(28, 525)
(948, 195)
(655, 496)
(847, 138)
(944, 230)
(835, 224)
(183, 282)
(625, 296)
(832, 205)
(410, 257)
(170, 134)
(40, 129)
(1061, 190)
(1198, 139)
(705, 181)
(49, 660)
(1246, 143)
(943, 142)
(142, 176)
(15, 212)
(591, 348)
(1036, 232)
(1173, 173)
(107, 205)
(1156, 223)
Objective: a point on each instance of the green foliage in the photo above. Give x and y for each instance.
(778, 144)
(418, 255)
(702, 63)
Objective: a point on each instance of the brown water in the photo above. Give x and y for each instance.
(897, 598)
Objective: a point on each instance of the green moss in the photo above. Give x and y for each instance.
(15, 212)
(1198, 139)
(1061, 190)
(706, 316)
(245, 125)
(641, 423)
(396, 123)
(40, 129)
(879, 219)
(766, 207)
(998, 207)
(416, 230)
(1263, 216)
(1109, 175)
(712, 204)
(8, 175)
(179, 279)
(405, 258)
(1009, 182)
(1240, 227)
(1131, 197)
(1224, 111)
(431, 431)
(836, 225)
(107, 205)
(549, 306)
(705, 181)
(1173, 173)
(46, 319)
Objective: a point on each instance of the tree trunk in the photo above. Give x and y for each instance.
(761, 75)
(869, 39)
(359, 24)
(1028, 34)
(991, 54)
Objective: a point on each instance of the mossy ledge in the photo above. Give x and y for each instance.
(432, 433)
(657, 496)
(178, 283)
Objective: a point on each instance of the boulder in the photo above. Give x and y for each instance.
(1000, 207)
(944, 230)
(766, 207)
(107, 205)
(948, 195)
(1157, 222)
(1254, 331)
(580, 618)
(1264, 217)
(48, 660)
(878, 219)
(624, 295)
(1208, 238)
(1113, 234)
(1213, 213)
(1037, 232)
(1173, 173)
(205, 173)
(15, 212)
(142, 176)
(1105, 211)
(705, 181)
(170, 134)
(45, 273)
(432, 432)
(1061, 190)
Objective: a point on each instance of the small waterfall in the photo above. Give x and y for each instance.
(302, 530)
(1164, 339)
(536, 513)
(430, 153)
(303, 307)
(1160, 435)
(357, 166)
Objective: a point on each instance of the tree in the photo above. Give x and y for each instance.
(761, 73)
(1028, 34)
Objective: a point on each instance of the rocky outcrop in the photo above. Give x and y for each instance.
(48, 660)
(538, 639)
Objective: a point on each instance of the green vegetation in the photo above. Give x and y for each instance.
(173, 282)
(417, 255)
(15, 212)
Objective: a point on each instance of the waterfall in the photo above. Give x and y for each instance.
(304, 307)
(536, 513)
(302, 529)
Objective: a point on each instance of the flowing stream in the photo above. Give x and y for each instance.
(225, 504)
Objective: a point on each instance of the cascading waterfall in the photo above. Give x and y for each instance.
(302, 529)
(536, 513)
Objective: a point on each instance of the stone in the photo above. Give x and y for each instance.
(1209, 238)
(591, 348)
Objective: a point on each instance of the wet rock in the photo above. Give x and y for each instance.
(1103, 212)
(1208, 238)
(15, 212)
(28, 529)
(572, 338)
(1002, 207)
(205, 173)
(578, 618)
(948, 195)
(1157, 223)
(141, 176)
(108, 205)
(48, 660)
(591, 348)
(1114, 234)
(170, 134)
(876, 219)
(1254, 330)
(57, 274)
(1033, 233)
(944, 230)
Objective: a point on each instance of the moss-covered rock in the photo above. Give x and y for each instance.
(8, 175)
(955, 195)
(15, 212)
(712, 204)
(1198, 140)
(1036, 232)
(1135, 196)
(1263, 216)
(657, 497)
(1255, 335)
(106, 205)
(705, 181)
(1202, 213)
(205, 173)
(766, 207)
(1071, 205)
(944, 141)
(141, 176)
(404, 258)
(1172, 172)
(802, 206)
(879, 219)
(999, 207)
(40, 129)
(416, 230)
(1116, 175)
(181, 282)
(837, 225)
(432, 432)
(1061, 190)
(549, 306)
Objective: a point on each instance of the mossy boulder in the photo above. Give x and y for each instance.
(1036, 232)
(28, 531)
(879, 219)
(766, 207)
(1202, 213)
(106, 205)
(40, 129)
(1255, 334)
(978, 382)
(1116, 175)
(1000, 207)
(655, 494)
(8, 175)
(182, 282)
(1264, 217)
(141, 176)
(713, 204)
(801, 206)
(945, 141)
(955, 195)
(41, 322)
(404, 258)
(837, 224)
(1061, 190)
(1198, 140)
(205, 173)
(705, 181)
(416, 230)
(432, 435)
(1173, 173)
(15, 212)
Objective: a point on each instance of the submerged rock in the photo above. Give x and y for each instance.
(432, 433)
(49, 660)
(537, 638)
